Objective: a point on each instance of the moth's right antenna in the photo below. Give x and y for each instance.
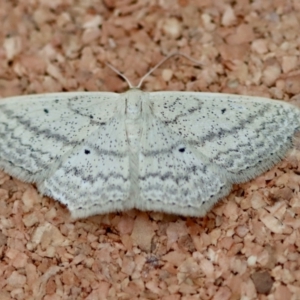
(163, 61)
(120, 74)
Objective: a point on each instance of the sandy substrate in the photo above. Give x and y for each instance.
(247, 247)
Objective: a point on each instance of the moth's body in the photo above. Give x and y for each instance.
(133, 101)
(176, 152)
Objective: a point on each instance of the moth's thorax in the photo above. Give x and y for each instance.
(134, 98)
(134, 103)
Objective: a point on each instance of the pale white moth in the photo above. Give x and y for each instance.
(174, 152)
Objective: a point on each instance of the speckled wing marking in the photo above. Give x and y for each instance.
(73, 145)
(174, 177)
(243, 135)
(196, 145)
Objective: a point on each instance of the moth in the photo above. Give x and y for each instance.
(175, 152)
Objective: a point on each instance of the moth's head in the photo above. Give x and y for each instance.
(134, 92)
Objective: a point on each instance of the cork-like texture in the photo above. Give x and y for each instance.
(247, 247)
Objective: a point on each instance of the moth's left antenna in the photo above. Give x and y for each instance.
(163, 61)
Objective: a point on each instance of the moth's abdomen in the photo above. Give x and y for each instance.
(133, 130)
